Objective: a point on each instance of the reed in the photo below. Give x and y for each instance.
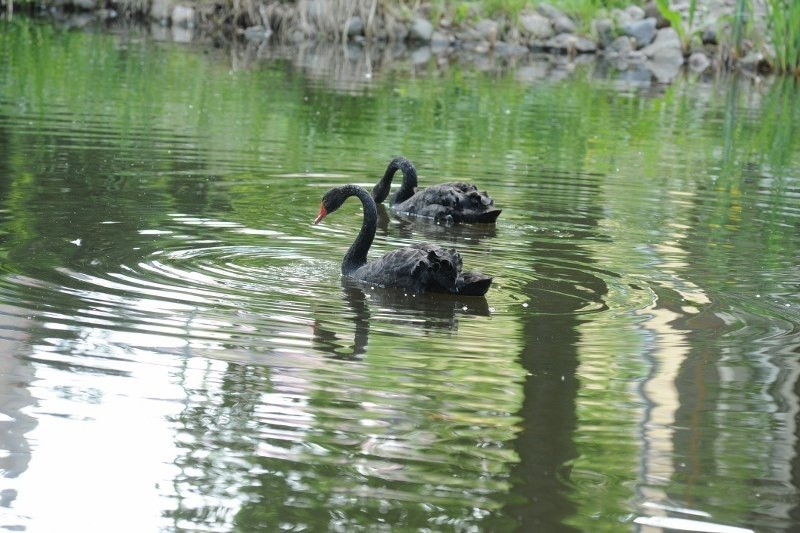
(784, 26)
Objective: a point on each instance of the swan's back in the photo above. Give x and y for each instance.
(423, 268)
(451, 202)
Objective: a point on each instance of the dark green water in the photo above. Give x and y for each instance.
(178, 351)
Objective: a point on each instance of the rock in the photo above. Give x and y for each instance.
(487, 29)
(481, 47)
(548, 11)
(355, 26)
(85, 5)
(698, 62)
(441, 39)
(585, 46)
(566, 43)
(636, 75)
(651, 10)
(184, 17)
(666, 64)
(421, 30)
(709, 36)
(536, 26)
(396, 31)
(106, 14)
(620, 47)
(666, 38)
(564, 24)
(257, 33)
(536, 71)
(752, 61)
(504, 49)
(421, 55)
(182, 34)
(622, 18)
(603, 30)
(635, 12)
(160, 10)
(643, 31)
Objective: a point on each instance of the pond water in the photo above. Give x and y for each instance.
(179, 351)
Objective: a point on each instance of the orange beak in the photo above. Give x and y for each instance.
(322, 214)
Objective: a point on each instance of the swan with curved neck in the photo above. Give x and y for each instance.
(418, 268)
(449, 202)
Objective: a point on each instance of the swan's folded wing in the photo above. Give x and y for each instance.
(455, 202)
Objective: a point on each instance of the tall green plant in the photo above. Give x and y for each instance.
(785, 27)
(685, 31)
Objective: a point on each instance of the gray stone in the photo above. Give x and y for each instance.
(355, 26)
(396, 31)
(182, 34)
(643, 31)
(698, 62)
(441, 39)
(622, 18)
(666, 64)
(184, 17)
(487, 29)
(536, 26)
(160, 10)
(257, 33)
(421, 30)
(620, 47)
(567, 43)
(635, 12)
(585, 46)
(548, 11)
(158, 31)
(504, 49)
(87, 5)
(421, 55)
(603, 30)
(709, 36)
(481, 47)
(564, 24)
(752, 60)
(635, 75)
(666, 38)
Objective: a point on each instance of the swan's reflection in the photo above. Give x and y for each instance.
(406, 227)
(368, 304)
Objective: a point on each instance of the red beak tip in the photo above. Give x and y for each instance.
(322, 214)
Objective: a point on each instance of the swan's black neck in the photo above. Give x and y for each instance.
(356, 256)
(406, 191)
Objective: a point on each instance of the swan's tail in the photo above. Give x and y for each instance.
(489, 216)
(475, 284)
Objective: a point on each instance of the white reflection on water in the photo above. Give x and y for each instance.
(101, 459)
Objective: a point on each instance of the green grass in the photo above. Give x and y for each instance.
(785, 32)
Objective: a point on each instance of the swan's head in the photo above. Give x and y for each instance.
(332, 201)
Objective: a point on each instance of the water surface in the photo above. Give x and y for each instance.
(179, 351)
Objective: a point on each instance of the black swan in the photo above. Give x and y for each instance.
(418, 268)
(449, 202)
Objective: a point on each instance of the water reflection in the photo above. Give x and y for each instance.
(16, 423)
(170, 319)
(366, 304)
(558, 295)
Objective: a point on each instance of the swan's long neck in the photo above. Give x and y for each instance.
(406, 191)
(356, 256)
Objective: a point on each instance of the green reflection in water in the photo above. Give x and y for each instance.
(651, 236)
